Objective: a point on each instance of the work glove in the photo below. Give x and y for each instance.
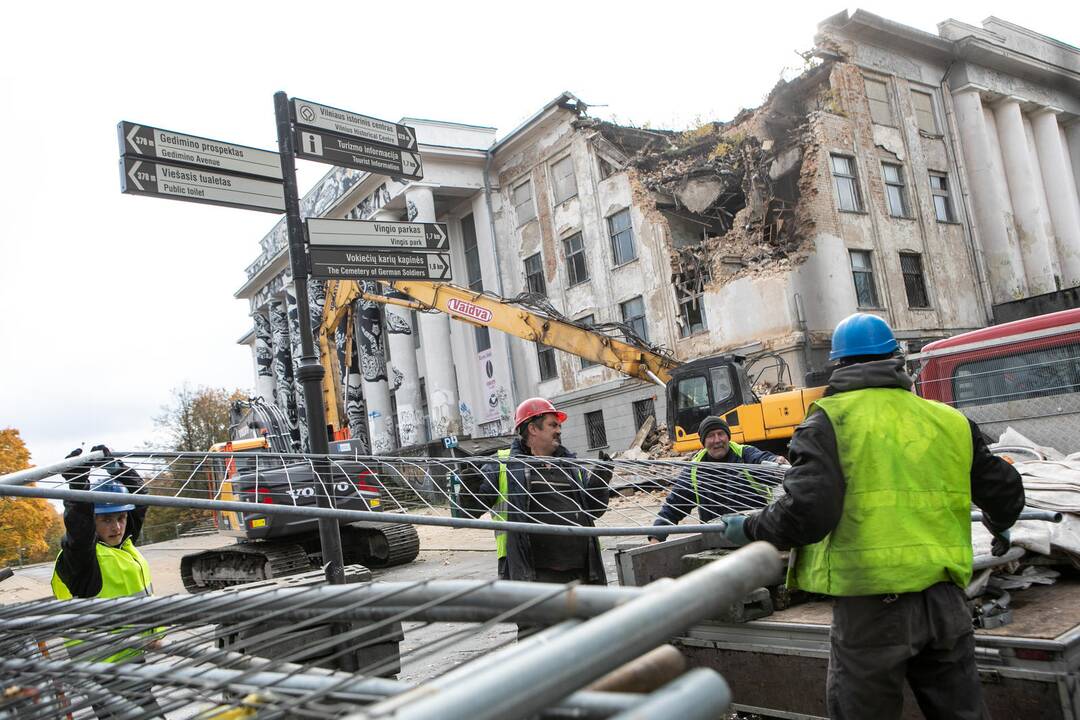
(1002, 538)
(606, 470)
(76, 474)
(733, 529)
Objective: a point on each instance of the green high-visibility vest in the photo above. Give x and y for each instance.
(124, 571)
(499, 511)
(736, 448)
(906, 522)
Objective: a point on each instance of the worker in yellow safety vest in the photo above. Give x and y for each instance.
(877, 504)
(718, 488)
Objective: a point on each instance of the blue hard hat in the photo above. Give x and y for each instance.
(112, 486)
(862, 334)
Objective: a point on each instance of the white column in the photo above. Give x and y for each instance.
(1062, 202)
(441, 380)
(1072, 135)
(402, 372)
(1035, 244)
(990, 199)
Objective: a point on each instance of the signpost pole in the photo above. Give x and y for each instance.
(310, 372)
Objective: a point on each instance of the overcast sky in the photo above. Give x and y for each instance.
(109, 301)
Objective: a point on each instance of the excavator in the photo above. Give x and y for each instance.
(716, 385)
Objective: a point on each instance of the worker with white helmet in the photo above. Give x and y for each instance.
(551, 494)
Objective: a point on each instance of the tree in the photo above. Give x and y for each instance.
(193, 421)
(27, 524)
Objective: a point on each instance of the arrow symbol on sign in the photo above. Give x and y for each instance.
(442, 239)
(131, 174)
(438, 265)
(410, 136)
(409, 163)
(131, 139)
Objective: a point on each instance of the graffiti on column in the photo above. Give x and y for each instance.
(263, 355)
(407, 421)
(298, 389)
(412, 210)
(283, 368)
(468, 424)
(355, 408)
(399, 377)
(372, 355)
(397, 325)
(316, 303)
(505, 426)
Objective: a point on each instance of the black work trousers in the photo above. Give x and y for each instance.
(926, 638)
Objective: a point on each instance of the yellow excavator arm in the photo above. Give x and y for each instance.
(484, 310)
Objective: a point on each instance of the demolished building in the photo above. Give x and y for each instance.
(850, 188)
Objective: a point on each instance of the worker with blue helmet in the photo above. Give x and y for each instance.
(877, 503)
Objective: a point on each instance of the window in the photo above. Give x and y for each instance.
(534, 275)
(689, 289)
(576, 267)
(847, 184)
(523, 203)
(939, 188)
(895, 192)
(1043, 372)
(692, 401)
(594, 428)
(863, 273)
(607, 168)
(546, 357)
(924, 111)
(588, 321)
(914, 284)
(473, 274)
(562, 178)
(633, 314)
(877, 94)
(622, 237)
(643, 409)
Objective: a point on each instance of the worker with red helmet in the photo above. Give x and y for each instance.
(546, 493)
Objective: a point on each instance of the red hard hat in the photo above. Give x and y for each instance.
(533, 407)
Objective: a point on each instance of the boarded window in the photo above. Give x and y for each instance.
(877, 94)
(846, 183)
(562, 179)
(594, 428)
(534, 275)
(862, 271)
(633, 314)
(895, 192)
(524, 208)
(914, 282)
(622, 237)
(939, 189)
(577, 270)
(924, 111)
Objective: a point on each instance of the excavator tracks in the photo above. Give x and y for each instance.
(241, 563)
(378, 544)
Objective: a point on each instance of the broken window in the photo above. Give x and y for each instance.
(576, 268)
(643, 409)
(607, 169)
(924, 111)
(689, 291)
(863, 273)
(594, 427)
(877, 94)
(562, 178)
(633, 314)
(545, 356)
(939, 188)
(846, 182)
(534, 275)
(622, 237)
(914, 283)
(523, 203)
(895, 192)
(587, 321)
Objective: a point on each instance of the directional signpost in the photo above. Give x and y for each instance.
(341, 263)
(344, 122)
(378, 234)
(353, 152)
(151, 143)
(143, 177)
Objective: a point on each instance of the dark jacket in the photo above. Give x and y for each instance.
(814, 499)
(592, 498)
(77, 563)
(721, 490)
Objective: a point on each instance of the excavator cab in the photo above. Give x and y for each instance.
(720, 386)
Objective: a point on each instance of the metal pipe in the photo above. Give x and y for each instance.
(701, 694)
(521, 686)
(34, 474)
(350, 515)
(981, 562)
(1047, 515)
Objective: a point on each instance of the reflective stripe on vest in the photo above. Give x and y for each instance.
(736, 448)
(498, 512)
(906, 522)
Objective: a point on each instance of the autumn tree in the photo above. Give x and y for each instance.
(30, 528)
(193, 421)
